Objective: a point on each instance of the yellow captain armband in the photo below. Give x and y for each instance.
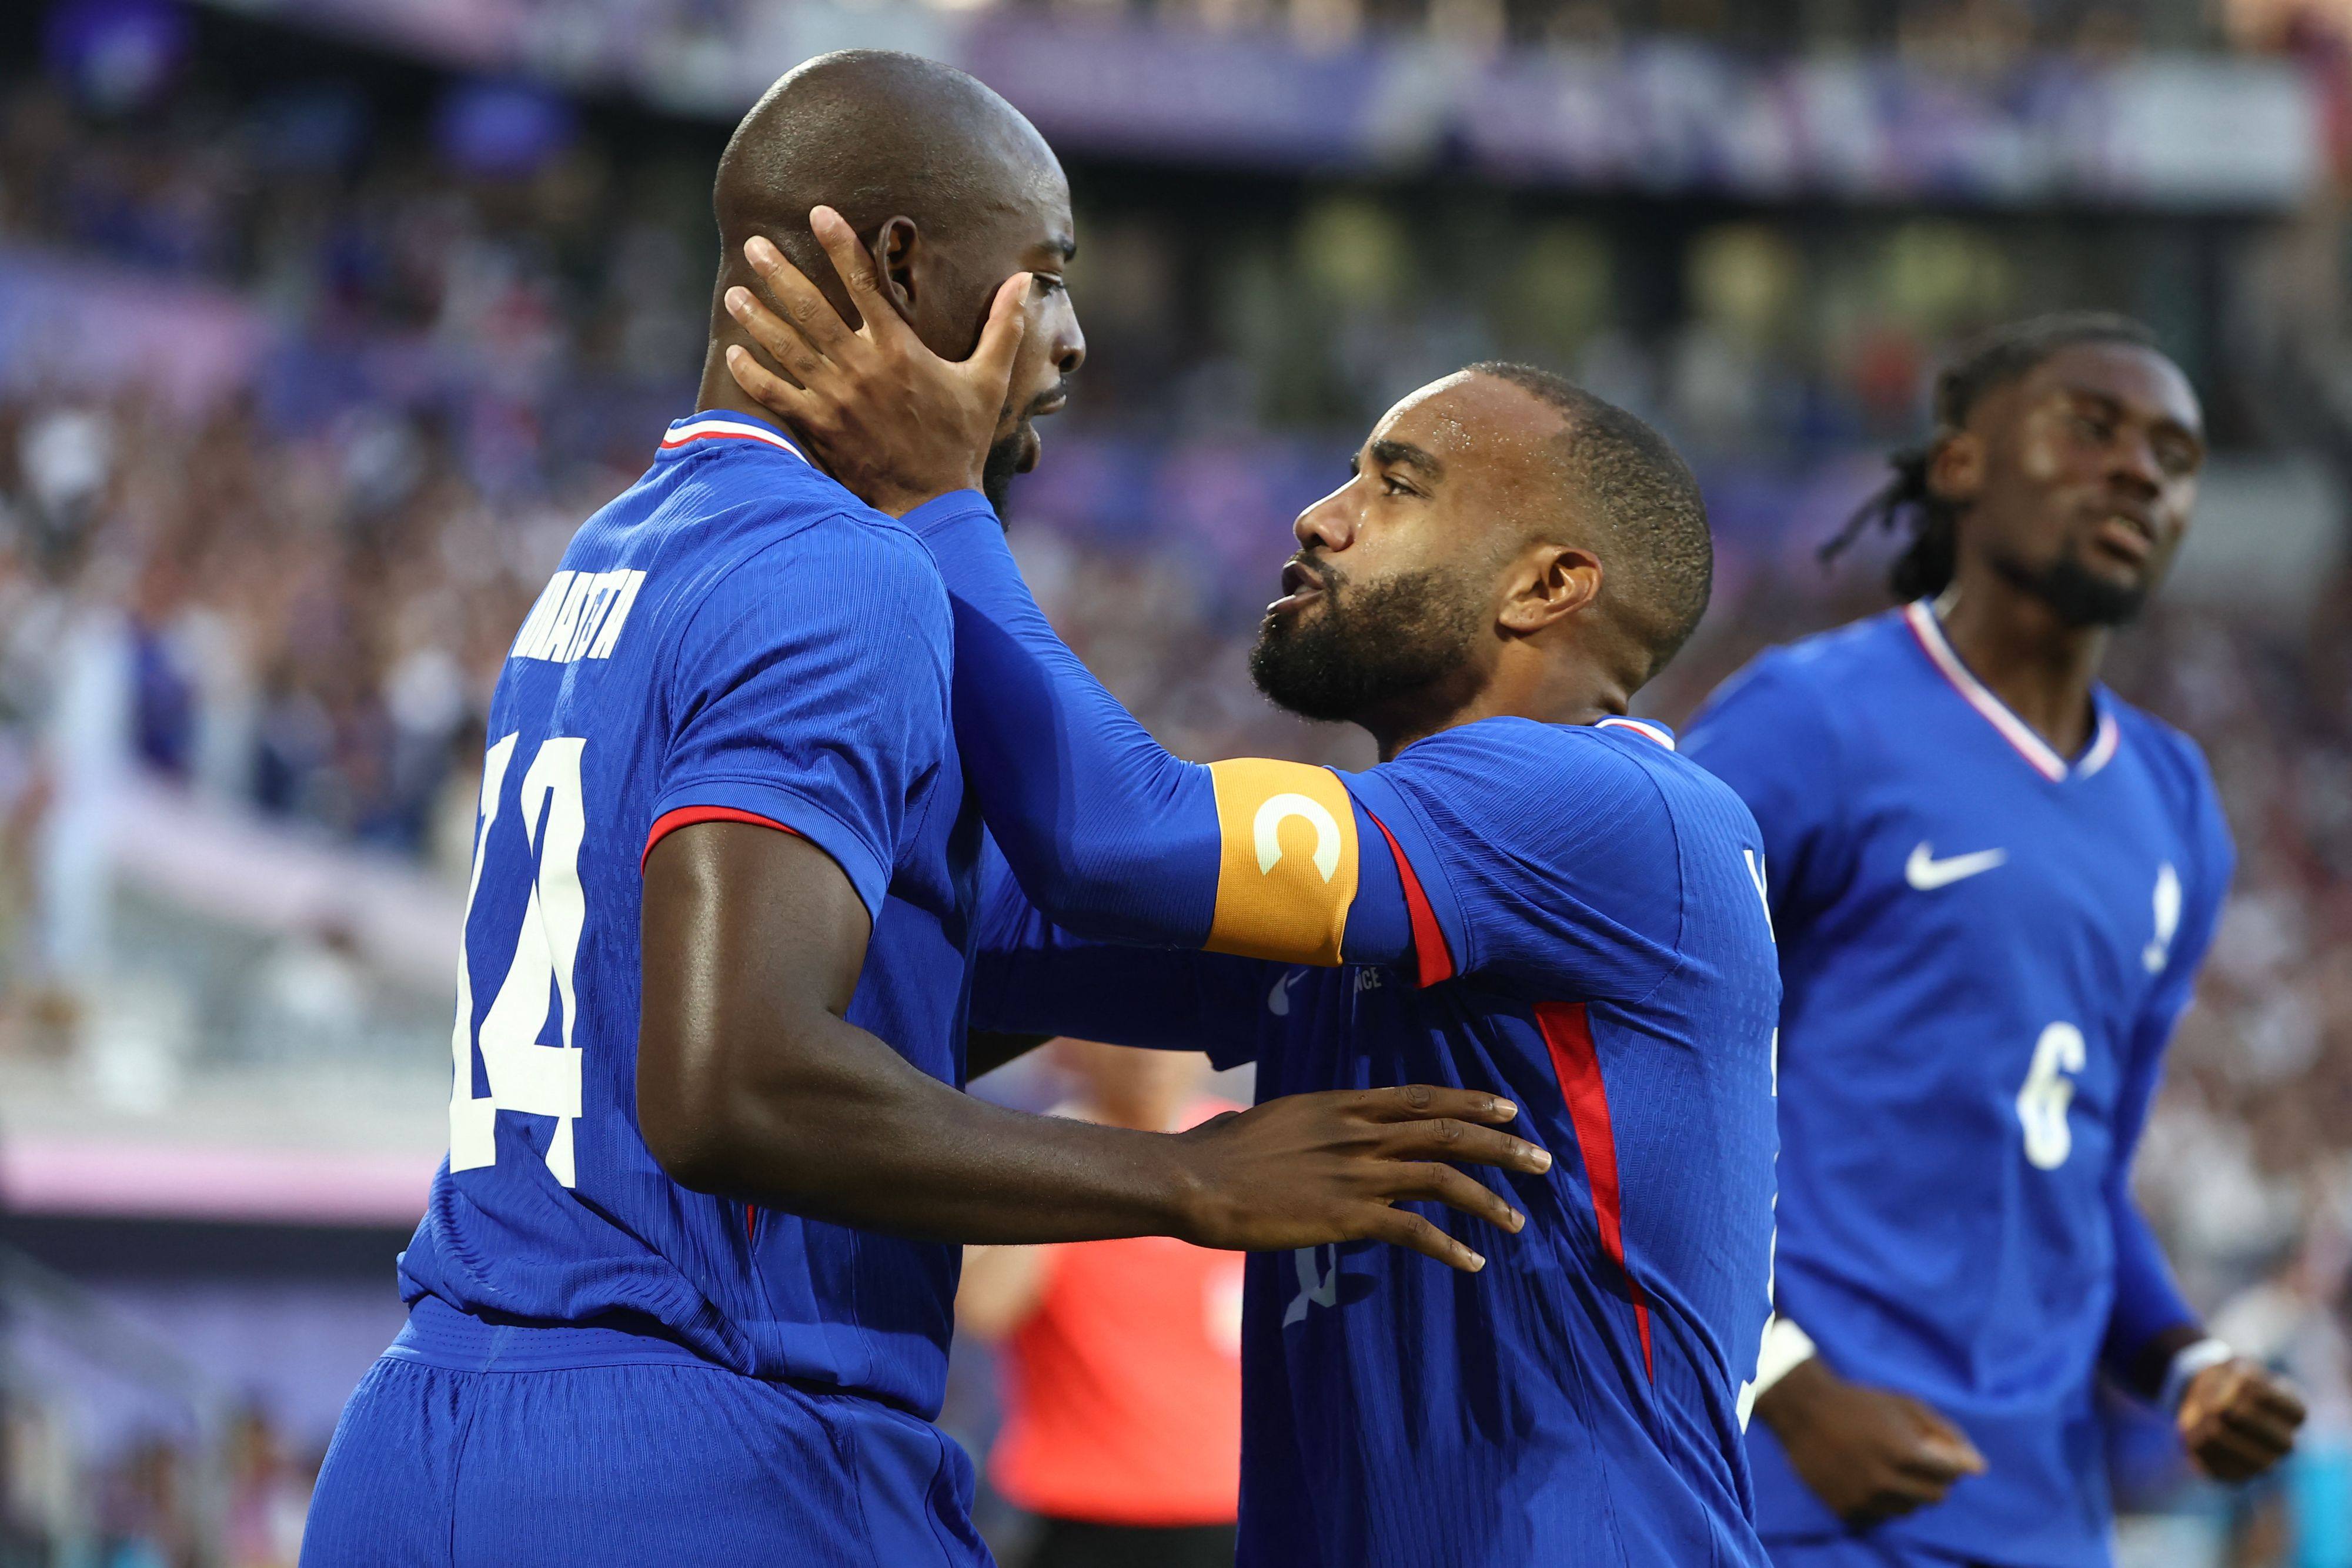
(1287, 871)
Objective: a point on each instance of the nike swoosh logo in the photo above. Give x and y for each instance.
(1926, 872)
(1278, 1000)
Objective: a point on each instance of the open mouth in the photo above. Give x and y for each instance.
(1299, 584)
(2128, 535)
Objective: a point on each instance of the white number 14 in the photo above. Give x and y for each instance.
(525, 1076)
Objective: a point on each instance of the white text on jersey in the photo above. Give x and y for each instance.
(579, 616)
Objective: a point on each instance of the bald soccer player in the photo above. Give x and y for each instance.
(683, 1292)
(1531, 896)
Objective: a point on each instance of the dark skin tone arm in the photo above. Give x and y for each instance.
(1871, 1454)
(1868, 1453)
(752, 1085)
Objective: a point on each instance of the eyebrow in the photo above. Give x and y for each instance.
(1406, 455)
(2116, 407)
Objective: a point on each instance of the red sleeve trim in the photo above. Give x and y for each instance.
(669, 823)
(1429, 947)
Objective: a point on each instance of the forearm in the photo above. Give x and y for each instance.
(835, 1125)
(1108, 831)
(2150, 1321)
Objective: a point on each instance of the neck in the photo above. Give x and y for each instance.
(1549, 690)
(2038, 664)
(719, 394)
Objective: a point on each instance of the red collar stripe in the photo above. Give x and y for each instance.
(2046, 761)
(726, 430)
(1649, 731)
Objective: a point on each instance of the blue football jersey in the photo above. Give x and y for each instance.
(1591, 943)
(1984, 946)
(735, 637)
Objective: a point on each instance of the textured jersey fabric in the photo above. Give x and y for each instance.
(1589, 940)
(1984, 948)
(780, 654)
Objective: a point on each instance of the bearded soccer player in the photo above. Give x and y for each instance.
(1993, 882)
(683, 1290)
(1531, 896)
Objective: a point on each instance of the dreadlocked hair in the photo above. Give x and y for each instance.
(1907, 500)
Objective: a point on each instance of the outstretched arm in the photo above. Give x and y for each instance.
(1113, 837)
(751, 1084)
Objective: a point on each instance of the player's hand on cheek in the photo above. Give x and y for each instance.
(1869, 1454)
(1307, 1169)
(2238, 1420)
(897, 424)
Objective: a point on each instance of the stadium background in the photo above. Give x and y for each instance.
(322, 322)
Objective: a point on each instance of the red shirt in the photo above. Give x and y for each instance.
(1123, 1385)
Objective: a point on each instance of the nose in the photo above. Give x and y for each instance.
(2132, 459)
(1069, 346)
(1328, 523)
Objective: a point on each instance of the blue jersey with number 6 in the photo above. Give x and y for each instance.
(1983, 949)
(734, 638)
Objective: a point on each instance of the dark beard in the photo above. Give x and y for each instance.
(2075, 594)
(1369, 648)
(996, 473)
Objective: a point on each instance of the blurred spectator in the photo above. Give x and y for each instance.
(1122, 1358)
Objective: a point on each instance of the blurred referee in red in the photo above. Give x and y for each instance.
(1122, 1358)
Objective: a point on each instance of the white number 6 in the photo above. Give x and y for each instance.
(2041, 1105)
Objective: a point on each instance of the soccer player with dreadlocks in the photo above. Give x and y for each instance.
(1992, 882)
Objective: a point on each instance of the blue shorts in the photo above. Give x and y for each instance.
(584, 1447)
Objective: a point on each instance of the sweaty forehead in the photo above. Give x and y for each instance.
(2143, 381)
(1478, 426)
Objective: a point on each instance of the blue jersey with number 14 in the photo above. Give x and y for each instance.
(734, 638)
(1983, 947)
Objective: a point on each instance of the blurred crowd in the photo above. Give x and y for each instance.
(288, 581)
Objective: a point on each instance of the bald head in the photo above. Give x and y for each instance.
(950, 191)
(881, 136)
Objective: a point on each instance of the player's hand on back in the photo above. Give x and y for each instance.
(2238, 1419)
(893, 421)
(1868, 1453)
(1307, 1169)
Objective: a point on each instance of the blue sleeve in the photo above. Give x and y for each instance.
(1586, 890)
(1031, 976)
(810, 690)
(1111, 836)
(2147, 1299)
(1765, 732)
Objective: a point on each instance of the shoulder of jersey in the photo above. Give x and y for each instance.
(2178, 761)
(787, 488)
(1825, 671)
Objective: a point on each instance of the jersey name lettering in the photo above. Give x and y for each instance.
(579, 616)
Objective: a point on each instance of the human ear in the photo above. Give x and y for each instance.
(898, 256)
(1551, 583)
(1955, 467)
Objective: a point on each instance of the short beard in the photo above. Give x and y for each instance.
(996, 473)
(2075, 594)
(1370, 648)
